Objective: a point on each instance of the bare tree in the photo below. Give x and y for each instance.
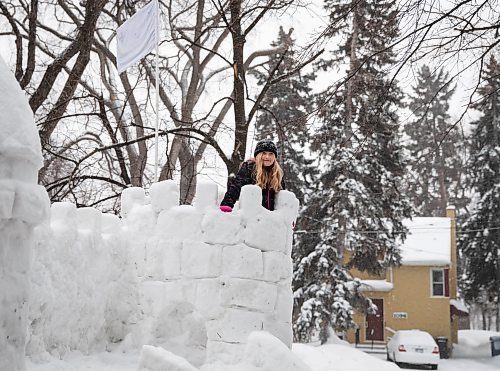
(459, 35)
(95, 125)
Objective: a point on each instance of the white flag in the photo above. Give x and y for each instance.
(137, 36)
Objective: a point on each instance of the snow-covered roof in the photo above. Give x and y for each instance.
(428, 241)
(460, 305)
(375, 285)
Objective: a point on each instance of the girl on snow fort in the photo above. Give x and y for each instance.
(263, 170)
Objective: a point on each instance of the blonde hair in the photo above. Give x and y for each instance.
(268, 178)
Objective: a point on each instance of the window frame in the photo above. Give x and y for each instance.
(444, 282)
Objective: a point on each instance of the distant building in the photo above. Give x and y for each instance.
(422, 292)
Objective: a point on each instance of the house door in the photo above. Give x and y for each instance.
(375, 322)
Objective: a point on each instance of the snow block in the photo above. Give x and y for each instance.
(284, 303)
(152, 297)
(131, 197)
(164, 195)
(19, 137)
(281, 330)
(267, 232)
(63, 215)
(208, 298)
(235, 326)
(7, 197)
(89, 218)
(110, 224)
(15, 257)
(163, 259)
(159, 359)
(243, 293)
(287, 205)
(241, 261)
(179, 223)
(13, 314)
(225, 353)
(200, 260)
(32, 204)
(140, 221)
(251, 200)
(206, 196)
(277, 266)
(221, 228)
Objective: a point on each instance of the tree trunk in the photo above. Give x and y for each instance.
(353, 65)
(483, 316)
(188, 174)
(241, 127)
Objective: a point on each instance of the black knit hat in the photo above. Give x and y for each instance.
(265, 145)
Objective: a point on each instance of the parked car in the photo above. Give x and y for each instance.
(413, 347)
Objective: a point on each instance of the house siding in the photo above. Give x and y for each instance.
(411, 295)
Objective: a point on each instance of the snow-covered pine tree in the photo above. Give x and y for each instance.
(436, 153)
(356, 212)
(283, 116)
(480, 241)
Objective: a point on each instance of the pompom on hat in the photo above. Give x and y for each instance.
(266, 145)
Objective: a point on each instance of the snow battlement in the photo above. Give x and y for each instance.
(191, 279)
(211, 276)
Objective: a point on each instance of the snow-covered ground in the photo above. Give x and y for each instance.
(471, 354)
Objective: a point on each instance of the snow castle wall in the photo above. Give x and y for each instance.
(23, 205)
(211, 278)
(191, 279)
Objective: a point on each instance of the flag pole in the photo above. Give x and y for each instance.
(157, 87)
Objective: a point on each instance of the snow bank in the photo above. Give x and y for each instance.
(474, 344)
(340, 357)
(189, 279)
(23, 205)
(159, 359)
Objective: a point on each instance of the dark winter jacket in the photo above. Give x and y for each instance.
(246, 176)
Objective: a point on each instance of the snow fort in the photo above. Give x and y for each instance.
(190, 279)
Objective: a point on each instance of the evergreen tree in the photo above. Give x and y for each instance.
(354, 217)
(436, 153)
(283, 117)
(480, 242)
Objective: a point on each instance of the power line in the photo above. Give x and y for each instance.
(419, 230)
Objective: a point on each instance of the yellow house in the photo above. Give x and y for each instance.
(417, 294)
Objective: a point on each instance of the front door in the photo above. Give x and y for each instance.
(375, 322)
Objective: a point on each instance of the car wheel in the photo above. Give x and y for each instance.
(394, 359)
(434, 367)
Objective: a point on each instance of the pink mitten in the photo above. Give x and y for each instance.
(226, 209)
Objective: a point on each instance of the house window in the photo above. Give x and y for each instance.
(440, 285)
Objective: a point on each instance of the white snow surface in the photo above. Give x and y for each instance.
(472, 353)
(474, 344)
(187, 282)
(23, 205)
(460, 305)
(428, 241)
(19, 138)
(375, 285)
